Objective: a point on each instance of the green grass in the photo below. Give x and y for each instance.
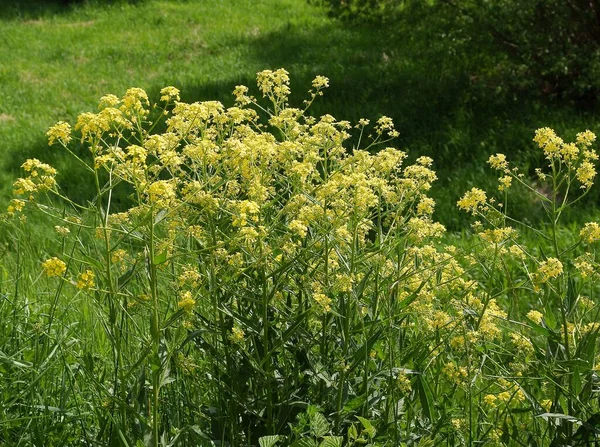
(57, 61)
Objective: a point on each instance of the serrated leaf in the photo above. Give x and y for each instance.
(268, 441)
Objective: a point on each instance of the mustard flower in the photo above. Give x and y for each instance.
(551, 268)
(585, 174)
(590, 232)
(505, 183)
(472, 200)
(237, 335)
(498, 162)
(323, 301)
(60, 132)
(320, 82)
(547, 140)
(169, 93)
(63, 231)
(586, 138)
(15, 206)
(54, 267)
(186, 302)
(85, 280)
(535, 316)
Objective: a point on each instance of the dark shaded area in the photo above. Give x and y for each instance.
(35, 9)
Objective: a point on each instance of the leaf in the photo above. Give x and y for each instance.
(268, 441)
(426, 397)
(332, 441)
(304, 442)
(367, 427)
(319, 425)
(125, 277)
(160, 258)
(566, 417)
(359, 355)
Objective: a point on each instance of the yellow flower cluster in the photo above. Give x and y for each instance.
(187, 302)
(549, 269)
(590, 232)
(86, 280)
(237, 335)
(54, 267)
(473, 200)
(60, 132)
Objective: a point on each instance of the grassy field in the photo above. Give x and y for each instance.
(57, 61)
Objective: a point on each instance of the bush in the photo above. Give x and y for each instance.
(267, 286)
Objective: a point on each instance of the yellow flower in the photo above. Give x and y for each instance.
(54, 267)
(590, 232)
(585, 174)
(237, 335)
(60, 132)
(323, 301)
(186, 303)
(505, 183)
(535, 316)
(63, 231)
(498, 161)
(586, 138)
(472, 200)
(551, 268)
(15, 206)
(85, 280)
(169, 93)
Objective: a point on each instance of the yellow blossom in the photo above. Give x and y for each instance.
(498, 161)
(535, 316)
(60, 132)
(472, 200)
(54, 267)
(169, 93)
(585, 174)
(85, 280)
(186, 302)
(586, 138)
(590, 232)
(237, 335)
(548, 269)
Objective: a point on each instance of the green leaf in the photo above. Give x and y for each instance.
(160, 258)
(268, 441)
(426, 397)
(304, 442)
(332, 441)
(359, 355)
(319, 425)
(367, 427)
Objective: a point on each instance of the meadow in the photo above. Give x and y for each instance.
(253, 224)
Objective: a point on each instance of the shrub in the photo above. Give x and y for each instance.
(266, 285)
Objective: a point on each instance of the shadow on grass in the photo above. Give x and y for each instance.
(36, 9)
(430, 94)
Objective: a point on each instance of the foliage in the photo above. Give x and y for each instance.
(547, 46)
(262, 284)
